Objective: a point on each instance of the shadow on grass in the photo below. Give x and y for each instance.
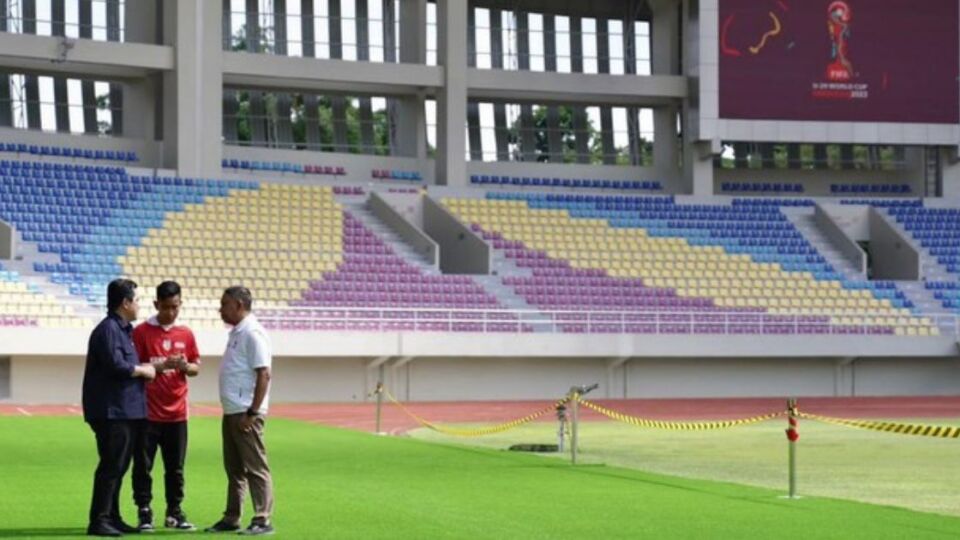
(42, 532)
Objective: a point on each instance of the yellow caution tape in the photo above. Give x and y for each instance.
(943, 432)
(499, 428)
(676, 426)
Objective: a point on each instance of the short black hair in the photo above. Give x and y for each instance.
(119, 290)
(168, 289)
(240, 294)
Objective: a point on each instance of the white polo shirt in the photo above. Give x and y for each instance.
(248, 348)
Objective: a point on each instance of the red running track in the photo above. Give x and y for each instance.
(361, 416)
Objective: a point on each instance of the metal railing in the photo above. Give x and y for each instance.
(608, 322)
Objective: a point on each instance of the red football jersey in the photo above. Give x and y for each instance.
(167, 394)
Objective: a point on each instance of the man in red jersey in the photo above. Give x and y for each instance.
(172, 350)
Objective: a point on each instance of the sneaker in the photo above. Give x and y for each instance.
(222, 526)
(145, 519)
(178, 520)
(258, 527)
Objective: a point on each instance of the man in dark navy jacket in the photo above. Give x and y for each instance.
(114, 404)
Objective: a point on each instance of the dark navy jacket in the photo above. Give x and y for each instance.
(110, 392)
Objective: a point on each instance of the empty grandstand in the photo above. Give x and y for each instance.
(485, 199)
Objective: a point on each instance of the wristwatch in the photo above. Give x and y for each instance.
(251, 412)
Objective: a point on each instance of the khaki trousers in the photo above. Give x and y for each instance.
(245, 461)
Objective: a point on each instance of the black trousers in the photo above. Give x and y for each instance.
(171, 439)
(115, 443)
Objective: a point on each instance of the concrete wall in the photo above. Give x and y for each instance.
(461, 251)
(359, 167)
(410, 233)
(4, 378)
(37, 380)
(854, 220)
(8, 241)
(817, 182)
(565, 170)
(894, 256)
(147, 150)
(835, 233)
(408, 205)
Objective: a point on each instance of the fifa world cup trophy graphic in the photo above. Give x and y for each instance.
(838, 25)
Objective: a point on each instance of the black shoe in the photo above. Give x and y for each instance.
(102, 529)
(145, 519)
(258, 527)
(222, 526)
(124, 528)
(178, 520)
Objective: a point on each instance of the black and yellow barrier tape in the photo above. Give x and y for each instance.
(943, 432)
(676, 426)
(489, 430)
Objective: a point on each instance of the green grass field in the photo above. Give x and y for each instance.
(334, 483)
(919, 473)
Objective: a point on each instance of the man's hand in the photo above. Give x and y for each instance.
(175, 361)
(246, 423)
(146, 371)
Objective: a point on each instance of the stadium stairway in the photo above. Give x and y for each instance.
(804, 221)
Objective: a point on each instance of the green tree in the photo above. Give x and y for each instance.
(569, 140)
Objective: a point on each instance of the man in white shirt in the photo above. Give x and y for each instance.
(244, 395)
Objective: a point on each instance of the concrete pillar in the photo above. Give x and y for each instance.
(820, 156)
(635, 145)
(390, 56)
(6, 106)
(528, 133)
(311, 115)
(113, 20)
(473, 108)
(116, 109)
(411, 123)
(846, 157)
(31, 83)
(87, 89)
(193, 93)
(28, 11)
(141, 24)
(338, 103)
(365, 111)
(139, 107)
(283, 127)
(452, 101)
(501, 129)
(951, 172)
(793, 156)
(257, 116)
(666, 142)
(581, 125)
(231, 103)
(116, 90)
(697, 156)
(606, 113)
(61, 101)
(85, 18)
(554, 133)
(226, 22)
(665, 60)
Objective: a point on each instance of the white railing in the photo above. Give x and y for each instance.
(612, 322)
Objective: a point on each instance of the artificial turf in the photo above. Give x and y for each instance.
(333, 483)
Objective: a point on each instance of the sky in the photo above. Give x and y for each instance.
(376, 53)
